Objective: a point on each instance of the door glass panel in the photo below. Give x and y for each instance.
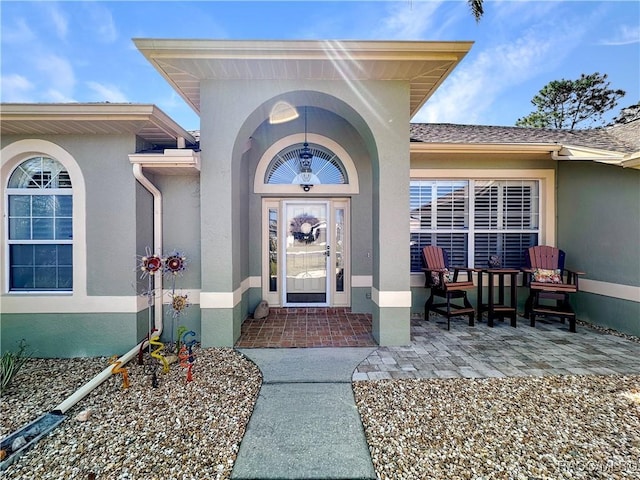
(306, 252)
(273, 250)
(339, 249)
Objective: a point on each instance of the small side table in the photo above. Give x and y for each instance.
(498, 309)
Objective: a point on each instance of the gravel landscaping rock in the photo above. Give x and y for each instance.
(558, 427)
(179, 430)
(521, 428)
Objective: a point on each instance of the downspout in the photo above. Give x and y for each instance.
(157, 238)
(157, 285)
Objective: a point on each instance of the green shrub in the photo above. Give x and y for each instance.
(10, 364)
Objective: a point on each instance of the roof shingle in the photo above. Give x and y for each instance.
(623, 138)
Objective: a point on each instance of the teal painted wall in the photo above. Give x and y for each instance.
(71, 335)
(620, 315)
(599, 228)
(189, 318)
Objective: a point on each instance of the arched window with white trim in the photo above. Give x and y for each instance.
(40, 227)
(325, 168)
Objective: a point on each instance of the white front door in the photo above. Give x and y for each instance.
(306, 251)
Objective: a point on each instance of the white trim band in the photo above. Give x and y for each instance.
(615, 290)
(399, 299)
(228, 299)
(56, 304)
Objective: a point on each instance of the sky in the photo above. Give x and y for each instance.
(71, 51)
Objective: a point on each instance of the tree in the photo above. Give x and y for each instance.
(628, 114)
(566, 103)
(476, 8)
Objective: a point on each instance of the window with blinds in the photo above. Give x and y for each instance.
(474, 219)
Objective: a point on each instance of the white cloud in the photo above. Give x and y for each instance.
(58, 19)
(626, 35)
(56, 96)
(408, 21)
(16, 88)
(20, 32)
(107, 93)
(56, 72)
(508, 59)
(100, 22)
(473, 87)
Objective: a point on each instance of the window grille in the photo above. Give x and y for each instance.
(326, 166)
(40, 227)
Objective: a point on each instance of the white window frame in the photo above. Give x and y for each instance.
(546, 207)
(33, 192)
(76, 301)
(351, 188)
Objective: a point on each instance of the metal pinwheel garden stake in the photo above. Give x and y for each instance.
(149, 265)
(171, 266)
(175, 264)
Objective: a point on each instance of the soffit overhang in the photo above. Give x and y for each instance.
(144, 120)
(185, 63)
(580, 153)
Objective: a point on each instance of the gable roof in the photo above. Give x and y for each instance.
(184, 63)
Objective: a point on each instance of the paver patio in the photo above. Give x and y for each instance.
(469, 352)
(502, 351)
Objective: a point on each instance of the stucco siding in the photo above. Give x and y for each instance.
(599, 228)
(599, 220)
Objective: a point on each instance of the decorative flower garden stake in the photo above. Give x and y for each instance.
(175, 264)
(157, 355)
(187, 359)
(181, 330)
(184, 361)
(149, 265)
(118, 368)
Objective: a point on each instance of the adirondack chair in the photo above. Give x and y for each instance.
(550, 285)
(436, 270)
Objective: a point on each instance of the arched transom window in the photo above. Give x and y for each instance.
(40, 226)
(287, 168)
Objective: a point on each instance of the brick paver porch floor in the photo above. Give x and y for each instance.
(307, 327)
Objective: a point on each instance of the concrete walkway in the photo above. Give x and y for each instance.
(305, 424)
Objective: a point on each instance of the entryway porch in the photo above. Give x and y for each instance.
(308, 327)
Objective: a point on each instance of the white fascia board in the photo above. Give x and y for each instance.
(422, 147)
(169, 158)
(632, 161)
(570, 152)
